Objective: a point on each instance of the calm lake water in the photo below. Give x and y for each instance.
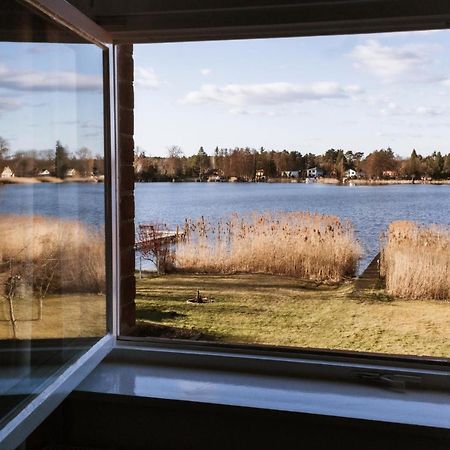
(369, 208)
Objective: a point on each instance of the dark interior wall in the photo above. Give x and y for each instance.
(120, 423)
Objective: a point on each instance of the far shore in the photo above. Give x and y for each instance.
(331, 181)
(49, 179)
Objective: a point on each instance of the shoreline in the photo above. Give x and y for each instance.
(328, 181)
(48, 180)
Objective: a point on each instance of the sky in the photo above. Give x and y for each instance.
(51, 92)
(356, 92)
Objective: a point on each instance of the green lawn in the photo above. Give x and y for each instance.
(75, 315)
(276, 310)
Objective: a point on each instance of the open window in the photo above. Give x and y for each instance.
(55, 207)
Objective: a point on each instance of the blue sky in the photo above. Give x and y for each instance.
(50, 92)
(358, 92)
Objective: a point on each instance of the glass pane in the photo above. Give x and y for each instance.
(52, 219)
(295, 192)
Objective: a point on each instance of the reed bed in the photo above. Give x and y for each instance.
(416, 261)
(52, 255)
(309, 246)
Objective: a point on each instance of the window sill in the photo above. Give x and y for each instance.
(127, 373)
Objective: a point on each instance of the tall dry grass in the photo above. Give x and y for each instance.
(52, 255)
(309, 246)
(416, 261)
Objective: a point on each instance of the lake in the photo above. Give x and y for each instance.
(369, 208)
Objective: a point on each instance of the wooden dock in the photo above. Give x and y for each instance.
(148, 234)
(370, 278)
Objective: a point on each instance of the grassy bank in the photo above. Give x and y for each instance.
(310, 246)
(63, 316)
(274, 310)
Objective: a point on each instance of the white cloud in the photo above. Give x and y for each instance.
(239, 95)
(206, 72)
(31, 80)
(446, 82)
(429, 111)
(393, 109)
(146, 78)
(391, 62)
(9, 104)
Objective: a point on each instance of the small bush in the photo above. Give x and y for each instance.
(416, 261)
(309, 246)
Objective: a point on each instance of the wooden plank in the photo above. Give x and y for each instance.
(370, 278)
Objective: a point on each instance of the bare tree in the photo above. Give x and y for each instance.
(155, 245)
(4, 147)
(174, 161)
(9, 294)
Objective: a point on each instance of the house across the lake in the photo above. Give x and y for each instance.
(290, 173)
(259, 175)
(71, 173)
(389, 173)
(215, 178)
(44, 173)
(7, 173)
(350, 173)
(314, 172)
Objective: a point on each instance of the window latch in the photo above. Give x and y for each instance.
(392, 380)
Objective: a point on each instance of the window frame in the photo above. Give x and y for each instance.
(69, 376)
(347, 365)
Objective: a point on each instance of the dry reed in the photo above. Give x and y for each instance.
(52, 255)
(310, 246)
(416, 261)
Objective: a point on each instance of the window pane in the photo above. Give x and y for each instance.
(52, 219)
(295, 192)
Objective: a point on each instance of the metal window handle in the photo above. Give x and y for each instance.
(392, 380)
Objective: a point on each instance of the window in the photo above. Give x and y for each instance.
(259, 203)
(53, 185)
(294, 192)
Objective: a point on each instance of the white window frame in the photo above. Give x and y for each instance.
(54, 391)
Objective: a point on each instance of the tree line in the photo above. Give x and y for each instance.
(243, 163)
(57, 161)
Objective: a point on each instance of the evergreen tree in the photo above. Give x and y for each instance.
(61, 160)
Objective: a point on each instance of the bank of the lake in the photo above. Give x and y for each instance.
(49, 179)
(369, 208)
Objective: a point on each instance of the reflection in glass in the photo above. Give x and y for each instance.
(52, 245)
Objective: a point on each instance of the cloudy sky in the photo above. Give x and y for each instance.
(50, 92)
(308, 94)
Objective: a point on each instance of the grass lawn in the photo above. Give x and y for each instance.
(76, 315)
(276, 310)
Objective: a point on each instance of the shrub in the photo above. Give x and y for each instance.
(416, 261)
(301, 244)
